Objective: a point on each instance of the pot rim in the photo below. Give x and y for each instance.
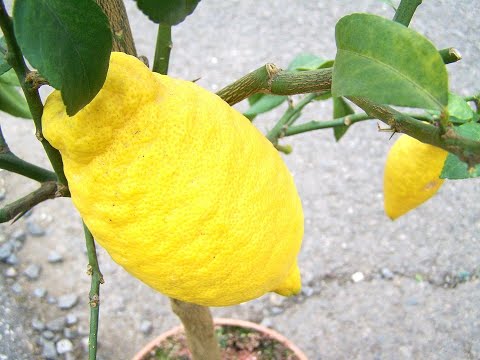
(226, 322)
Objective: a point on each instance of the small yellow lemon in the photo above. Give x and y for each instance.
(411, 175)
(180, 189)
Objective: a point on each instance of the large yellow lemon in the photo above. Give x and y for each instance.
(180, 188)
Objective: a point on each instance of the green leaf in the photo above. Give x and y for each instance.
(458, 109)
(10, 78)
(454, 168)
(304, 62)
(167, 12)
(69, 42)
(254, 98)
(263, 104)
(12, 102)
(4, 65)
(340, 109)
(388, 63)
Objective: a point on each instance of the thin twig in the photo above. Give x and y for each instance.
(162, 49)
(405, 11)
(97, 278)
(48, 190)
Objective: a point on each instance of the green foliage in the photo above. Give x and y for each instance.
(11, 101)
(340, 109)
(459, 110)
(4, 65)
(71, 52)
(456, 169)
(388, 63)
(263, 103)
(167, 12)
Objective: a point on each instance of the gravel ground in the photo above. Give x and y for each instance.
(373, 289)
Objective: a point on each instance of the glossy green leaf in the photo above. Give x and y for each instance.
(340, 109)
(454, 168)
(263, 104)
(458, 109)
(9, 78)
(69, 42)
(4, 65)
(167, 12)
(12, 102)
(388, 63)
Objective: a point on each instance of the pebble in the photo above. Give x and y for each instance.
(17, 288)
(16, 245)
(307, 291)
(34, 229)
(12, 259)
(48, 334)
(70, 333)
(146, 327)
(38, 324)
(387, 273)
(49, 351)
(18, 235)
(54, 257)
(267, 322)
(64, 346)
(84, 342)
(71, 319)
(56, 324)
(358, 276)
(275, 299)
(39, 292)
(32, 272)
(6, 250)
(276, 310)
(3, 193)
(68, 301)
(10, 272)
(51, 299)
(3, 238)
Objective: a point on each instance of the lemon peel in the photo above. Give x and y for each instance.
(411, 175)
(180, 188)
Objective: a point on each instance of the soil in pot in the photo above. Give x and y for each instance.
(236, 343)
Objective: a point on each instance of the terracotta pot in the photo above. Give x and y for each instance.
(226, 322)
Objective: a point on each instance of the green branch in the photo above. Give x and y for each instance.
(291, 113)
(162, 49)
(11, 162)
(15, 59)
(269, 79)
(405, 11)
(467, 150)
(48, 190)
(94, 295)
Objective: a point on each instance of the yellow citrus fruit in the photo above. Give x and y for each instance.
(411, 175)
(180, 189)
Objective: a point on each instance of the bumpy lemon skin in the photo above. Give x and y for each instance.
(180, 188)
(411, 175)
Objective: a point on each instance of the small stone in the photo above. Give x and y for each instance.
(68, 301)
(56, 324)
(387, 273)
(51, 299)
(10, 272)
(5, 250)
(85, 344)
(34, 229)
(12, 260)
(16, 245)
(411, 302)
(18, 235)
(307, 291)
(275, 299)
(358, 276)
(54, 257)
(267, 322)
(70, 333)
(71, 319)
(49, 352)
(39, 292)
(146, 327)
(64, 346)
(17, 288)
(3, 238)
(38, 324)
(71, 356)
(48, 334)
(32, 272)
(276, 310)
(3, 193)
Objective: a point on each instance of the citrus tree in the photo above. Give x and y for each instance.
(128, 142)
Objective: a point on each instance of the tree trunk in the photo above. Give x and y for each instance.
(198, 324)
